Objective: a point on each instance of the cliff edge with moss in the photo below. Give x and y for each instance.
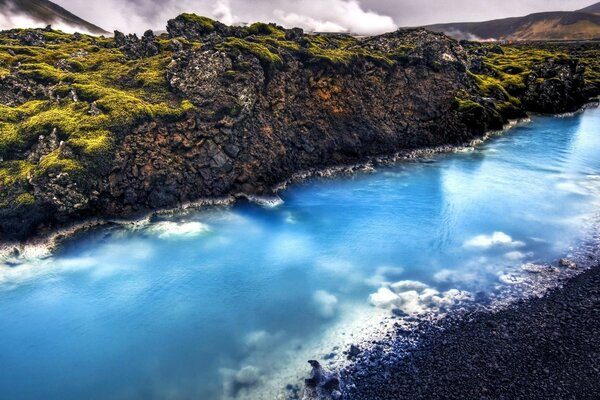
(112, 127)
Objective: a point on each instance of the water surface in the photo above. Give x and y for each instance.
(227, 302)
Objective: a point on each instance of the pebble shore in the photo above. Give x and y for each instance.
(537, 348)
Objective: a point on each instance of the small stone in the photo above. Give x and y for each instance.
(564, 262)
(354, 351)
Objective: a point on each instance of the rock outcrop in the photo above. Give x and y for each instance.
(322, 384)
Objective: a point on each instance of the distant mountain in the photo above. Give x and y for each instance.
(46, 12)
(593, 9)
(559, 25)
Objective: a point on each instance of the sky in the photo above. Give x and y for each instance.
(359, 16)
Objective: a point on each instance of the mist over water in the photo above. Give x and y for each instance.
(230, 302)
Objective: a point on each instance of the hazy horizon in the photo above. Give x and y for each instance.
(360, 16)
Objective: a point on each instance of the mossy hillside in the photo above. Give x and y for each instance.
(271, 45)
(260, 28)
(510, 68)
(96, 93)
(591, 60)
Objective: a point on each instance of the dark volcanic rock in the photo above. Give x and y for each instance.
(15, 91)
(134, 47)
(194, 27)
(541, 348)
(322, 385)
(32, 38)
(555, 86)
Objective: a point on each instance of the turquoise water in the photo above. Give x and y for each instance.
(205, 304)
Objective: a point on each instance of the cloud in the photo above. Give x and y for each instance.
(493, 240)
(222, 11)
(362, 16)
(332, 16)
(139, 15)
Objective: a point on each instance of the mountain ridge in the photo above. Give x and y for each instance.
(553, 25)
(47, 12)
(594, 9)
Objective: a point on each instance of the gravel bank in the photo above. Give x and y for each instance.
(541, 348)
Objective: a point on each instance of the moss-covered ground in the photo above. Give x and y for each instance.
(96, 92)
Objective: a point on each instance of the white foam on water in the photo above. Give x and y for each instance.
(456, 276)
(413, 297)
(286, 363)
(383, 275)
(326, 304)
(511, 279)
(517, 255)
(178, 230)
(20, 270)
(493, 240)
(268, 202)
(573, 188)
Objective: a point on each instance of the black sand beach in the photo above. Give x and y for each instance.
(540, 348)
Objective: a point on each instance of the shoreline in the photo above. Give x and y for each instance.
(535, 348)
(478, 349)
(47, 243)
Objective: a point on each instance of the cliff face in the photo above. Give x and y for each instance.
(223, 110)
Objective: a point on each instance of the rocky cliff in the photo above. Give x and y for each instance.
(118, 126)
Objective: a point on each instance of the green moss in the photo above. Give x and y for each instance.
(510, 68)
(340, 51)
(507, 108)
(466, 105)
(281, 43)
(25, 199)
(54, 163)
(43, 73)
(9, 138)
(15, 172)
(261, 51)
(207, 24)
(260, 28)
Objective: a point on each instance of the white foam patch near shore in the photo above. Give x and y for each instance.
(384, 275)
(268, 202)
(326, 304)
(19, 270)
(284, 361)
(517, 255)
(493, 240)
(413, 297)
(179, 230)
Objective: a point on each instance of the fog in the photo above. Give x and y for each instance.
(359, 16)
